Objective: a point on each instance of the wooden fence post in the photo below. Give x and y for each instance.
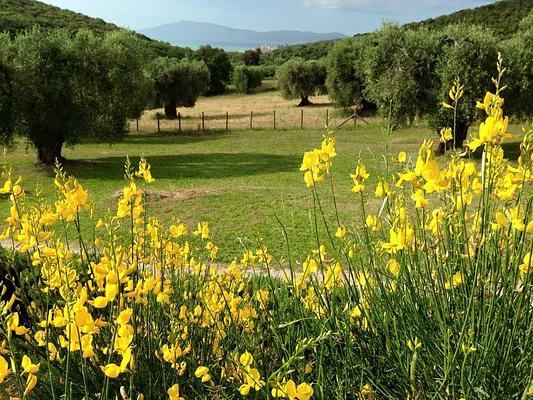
(301, 118)
(158, 125)
(274, 119)
(251, 119)
(179, 122)
(227, 121)
(355, 117)
(203, 122)
(137, 124)
(327, 116)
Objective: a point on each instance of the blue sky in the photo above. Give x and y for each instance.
(345, 16)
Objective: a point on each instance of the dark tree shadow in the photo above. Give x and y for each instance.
(511, 151)
(206, 166)
(186, 136)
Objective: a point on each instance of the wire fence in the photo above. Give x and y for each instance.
(226, 121)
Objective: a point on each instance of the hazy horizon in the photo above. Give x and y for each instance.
(322, 16)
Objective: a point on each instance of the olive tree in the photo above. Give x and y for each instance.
(299, 79)
(246, 78)
(67, 87)
(399, 70)
(345, 75)
(6, 90)
(467, 53)
(178, 83)
(518, 57)
(219, 64)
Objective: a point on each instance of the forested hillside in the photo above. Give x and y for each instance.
(18, 15)
(502, 17)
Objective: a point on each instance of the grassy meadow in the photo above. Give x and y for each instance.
(238, 181)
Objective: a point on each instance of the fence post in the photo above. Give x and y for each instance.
(251, 119)
(179, 122)
(158, 126)
(327, 116)
(274, 119)
(301, 118)
(227, 121)
(355, 117)
(203, 122)
(137, 124)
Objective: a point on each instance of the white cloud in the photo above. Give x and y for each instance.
(391, 5)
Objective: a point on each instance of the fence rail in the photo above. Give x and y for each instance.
(226, 121)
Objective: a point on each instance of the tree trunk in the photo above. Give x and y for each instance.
(304, 102)
(461, 133)
(171, 110)
(50, 152)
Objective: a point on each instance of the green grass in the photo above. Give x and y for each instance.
(238, 181)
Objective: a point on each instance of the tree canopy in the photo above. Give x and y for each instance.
(67, 87)
(246, 78)
(345, 73)
(399, 72)
(178, 83)
(300, 79)
(219, 64)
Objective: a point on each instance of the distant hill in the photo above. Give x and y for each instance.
(18, 15)
(193, 34)
(502, 17)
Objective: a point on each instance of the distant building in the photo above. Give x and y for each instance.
(267, 48)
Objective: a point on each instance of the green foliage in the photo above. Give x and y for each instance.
(467, 53)
(518, 56)
(502, 17)
(6, 89)
(178, 83)
(399, 72)
(300, 79)
(246, 78)
(308, 51)
(70, 87)
(345, 77)
(219, 65)
(252, 57)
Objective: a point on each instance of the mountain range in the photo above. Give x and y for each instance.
(194, 34)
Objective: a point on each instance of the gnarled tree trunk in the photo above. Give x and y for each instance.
(171, 110)
(461, 133)
(48, 153)
(304, 101)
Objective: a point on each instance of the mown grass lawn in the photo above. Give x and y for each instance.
(240, 182)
